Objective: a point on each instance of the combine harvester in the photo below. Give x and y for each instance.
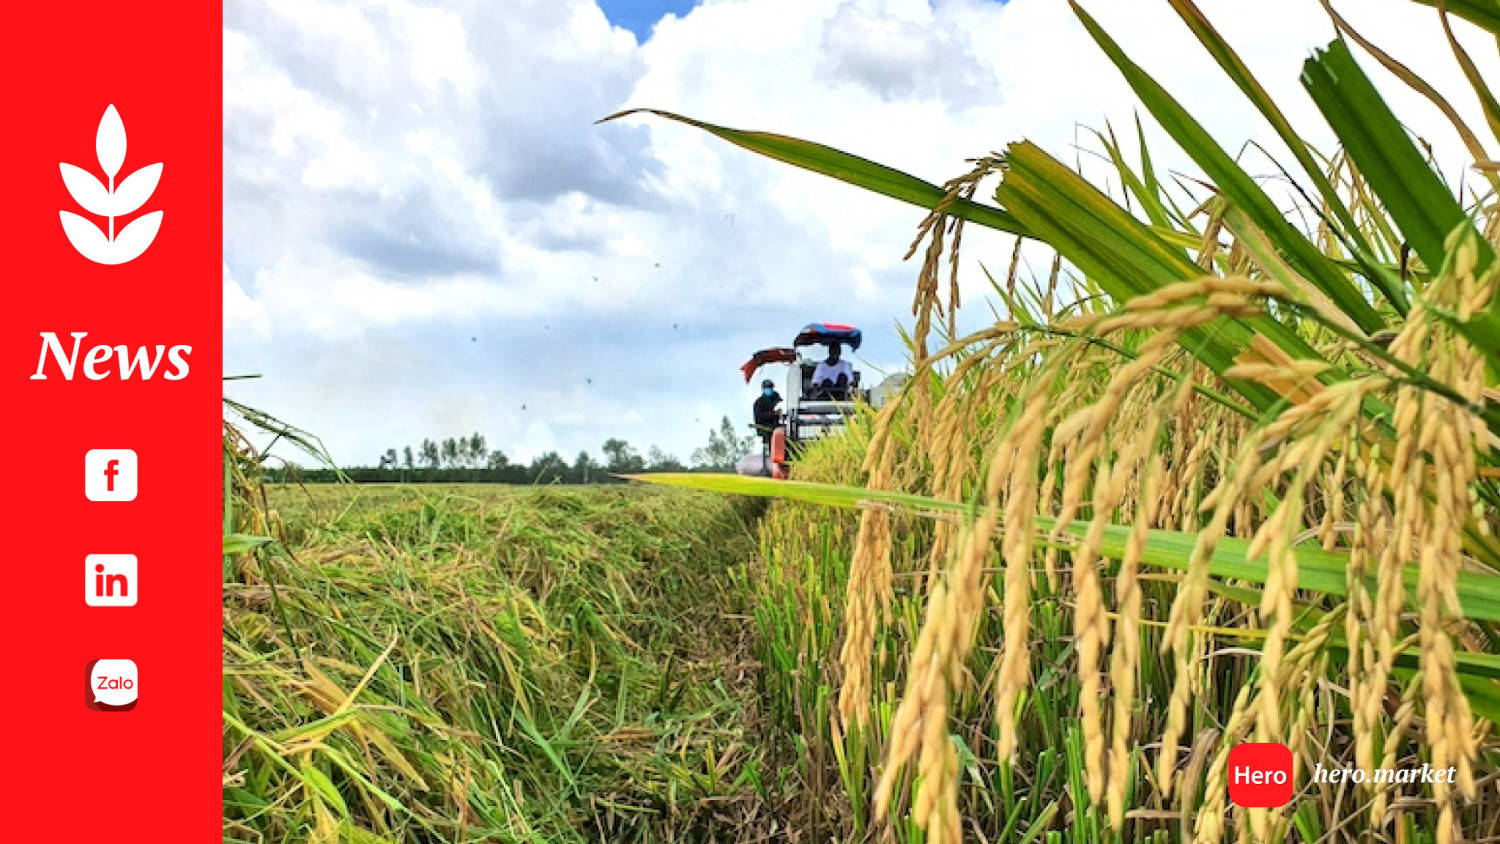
(811, 413)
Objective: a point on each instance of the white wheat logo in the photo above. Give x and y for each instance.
(110, 201)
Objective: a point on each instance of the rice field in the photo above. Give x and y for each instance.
(484, 663)
(489, 663)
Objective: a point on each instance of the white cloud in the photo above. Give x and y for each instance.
(242, 314)
(425, 230)
(902, 50)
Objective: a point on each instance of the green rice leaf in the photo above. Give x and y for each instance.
(1146, 192)
(239, 543)
(1236, 184)
(1123, 256)
(1484, 14)
(845, 167)
(1319, 570)
(320, 782)
(1389, 285)
(1422, 206)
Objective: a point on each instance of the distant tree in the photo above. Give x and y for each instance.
(479, 451)
(585, 470)
(725, 448)
(660, 461)
(388, 462)
(549, 468)
(620, 458)
(431, 458)
(470, 457)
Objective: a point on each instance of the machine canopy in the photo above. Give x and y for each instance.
(825, 333)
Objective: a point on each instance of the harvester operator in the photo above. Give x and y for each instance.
(832, 377)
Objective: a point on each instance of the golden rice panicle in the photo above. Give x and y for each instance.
(924, 676)
(926, 302)
(1045, 494)
(952, 451)
(1431, 473)
(1308, 432)
(1227, 296)
(1367, 677)
(1276, 608)
(934, 229)
(920, 725)
(1187, 605)
(1091, 421)
(864, 600)
(1125, 655)
(1406, 713)
(869, 590)
(935, 804)
(1302, 664)
(1091, 628)
(1452, 435)
(1085, 452)
(1083, 441)
(1111, 484)
(1333, 500)
(1305, 663)
(950, 465)
(1016, 550)
(1190, 430)
(1013, 469)
(1183, 512)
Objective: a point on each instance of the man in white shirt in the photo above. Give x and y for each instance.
(832, 377)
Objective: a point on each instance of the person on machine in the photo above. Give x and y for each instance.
(832, 377)
(767, 417)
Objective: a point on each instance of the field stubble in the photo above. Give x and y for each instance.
(472, 663)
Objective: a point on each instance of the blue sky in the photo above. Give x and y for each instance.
(639, 16)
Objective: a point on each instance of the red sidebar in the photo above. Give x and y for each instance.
(111, 224)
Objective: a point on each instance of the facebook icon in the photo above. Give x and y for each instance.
(109, 474)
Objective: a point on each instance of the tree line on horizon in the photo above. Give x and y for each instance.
(471, 460)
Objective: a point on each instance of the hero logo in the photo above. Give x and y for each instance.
(110, 201)
(1260, 775)
(96, 362)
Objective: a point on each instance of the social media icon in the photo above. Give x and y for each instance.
(1260, 774)
(110, 580)
(113, 685)
(109, 474)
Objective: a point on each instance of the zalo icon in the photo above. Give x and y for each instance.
(113, 685)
